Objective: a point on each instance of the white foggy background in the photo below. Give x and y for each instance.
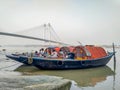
(87, 21)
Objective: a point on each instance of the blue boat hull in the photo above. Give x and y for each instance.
(44, 63)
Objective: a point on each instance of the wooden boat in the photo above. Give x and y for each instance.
(86, 61)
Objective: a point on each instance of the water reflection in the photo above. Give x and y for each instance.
(83, 77)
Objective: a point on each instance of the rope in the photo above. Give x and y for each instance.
(11, 65)
(55, 33)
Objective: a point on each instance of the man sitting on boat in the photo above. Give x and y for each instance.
(36, 54)
(70, 55)
(54, 54)
(41, 52)
(61, 54)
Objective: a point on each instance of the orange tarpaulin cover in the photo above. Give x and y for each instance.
(96, 52)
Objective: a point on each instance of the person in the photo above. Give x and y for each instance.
(61, 54)
(47, 53)
(70, 55)
(80, 53)
(54, 54)
(36, 54)
(41, 52)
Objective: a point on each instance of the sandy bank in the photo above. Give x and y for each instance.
(34, 83)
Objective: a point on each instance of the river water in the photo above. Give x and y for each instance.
(100, 78)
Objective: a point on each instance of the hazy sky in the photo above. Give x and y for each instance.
(87, 21)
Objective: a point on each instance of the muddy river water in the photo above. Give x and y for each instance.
(100, 78)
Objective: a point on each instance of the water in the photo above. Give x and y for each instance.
(101, 78)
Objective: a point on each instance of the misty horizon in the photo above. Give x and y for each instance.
(90, 22)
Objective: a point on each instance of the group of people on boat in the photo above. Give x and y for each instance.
(48, 53)
(72, 52)
(60, 52)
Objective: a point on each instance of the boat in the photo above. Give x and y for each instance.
(78, 57)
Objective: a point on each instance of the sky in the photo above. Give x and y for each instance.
(86, 21)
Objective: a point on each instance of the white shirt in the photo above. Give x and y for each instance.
(54, 54)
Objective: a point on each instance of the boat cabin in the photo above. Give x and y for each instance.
(75, 52)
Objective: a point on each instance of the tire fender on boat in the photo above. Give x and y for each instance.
(30, 60)
(60, 63)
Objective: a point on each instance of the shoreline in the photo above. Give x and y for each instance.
(41, 82)
(11, 79)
